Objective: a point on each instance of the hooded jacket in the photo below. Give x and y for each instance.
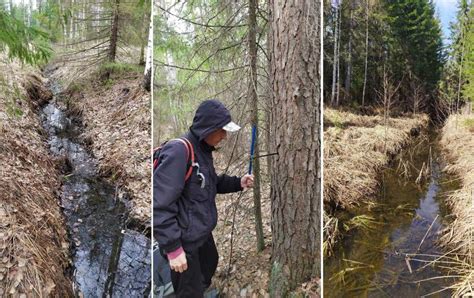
(184, 213)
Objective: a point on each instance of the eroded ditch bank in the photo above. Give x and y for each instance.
(392, 241)
(109, 259)
(34, 247)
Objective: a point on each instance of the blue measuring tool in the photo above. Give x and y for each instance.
(252, 147)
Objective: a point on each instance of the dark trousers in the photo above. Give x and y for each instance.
(202, 264)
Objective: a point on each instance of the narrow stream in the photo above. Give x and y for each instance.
(108, 258)
(375, 259)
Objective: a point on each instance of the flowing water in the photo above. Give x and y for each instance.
(376, 259)
(109, 259)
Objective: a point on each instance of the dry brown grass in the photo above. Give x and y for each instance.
(33, 240)
(118, 121)
(356, 148)
(458, 142)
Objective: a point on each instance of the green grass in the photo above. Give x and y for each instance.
(13, 110)
(76, 87)
(14, 97)
(469, 123)
(110, 72)
(121, 68)
(363, 222)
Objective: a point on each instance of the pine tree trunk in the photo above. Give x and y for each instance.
(268, 113)
(338, 71)
(149, 57)
(349, 54)
(295, 172)
(335, 56)
(71, 21)
(366, 49)
(252, 88)
(74, 20)
(460, 71)
(114, 33)
(144, 36)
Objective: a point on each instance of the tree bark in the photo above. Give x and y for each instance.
(269, 95)
(338, 66)
(252, 89)
(146, 25)
(295, 173)
(349, 53)
(114, 33)
(149, 57)
(335, 55)
(366, 49)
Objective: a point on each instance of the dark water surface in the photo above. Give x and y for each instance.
(378, 260)
(108, 258)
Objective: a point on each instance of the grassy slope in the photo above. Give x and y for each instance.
(356, 148)
(458, 141)
(118, 125)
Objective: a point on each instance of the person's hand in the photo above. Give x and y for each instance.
(179, 264)
(246, 181)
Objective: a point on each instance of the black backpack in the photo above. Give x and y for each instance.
(161, 268)
(189, 149)
(163, 287)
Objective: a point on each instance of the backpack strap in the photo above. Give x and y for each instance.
(155, 159)
(190, 151)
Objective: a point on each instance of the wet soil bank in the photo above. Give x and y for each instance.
(109, 258)
(391, 242)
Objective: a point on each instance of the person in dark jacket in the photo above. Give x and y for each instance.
(185, 213)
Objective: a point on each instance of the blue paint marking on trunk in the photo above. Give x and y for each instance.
(252, 147)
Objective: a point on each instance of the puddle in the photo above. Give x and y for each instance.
(376, 261)
(108, 258)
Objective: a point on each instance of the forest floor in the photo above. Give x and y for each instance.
(458, 142)
(117, 120)
(248, 273)
(356, 148)
(29, 185)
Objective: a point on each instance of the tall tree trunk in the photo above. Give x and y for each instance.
(366, 49)
(252, 89)
(114, 33)
(71, 20)
(268, 113)
(335, 55)
(149, 57)
(295, 184)
(63, 22)
(347, 83)
(338, 65)
(458, 95)
(86, 23)
(30, 12)
(144, 35)
(74, 19)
